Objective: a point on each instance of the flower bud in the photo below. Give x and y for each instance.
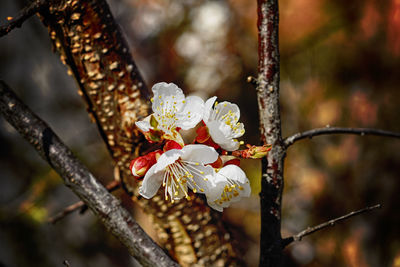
(257, 152)
(217, 164)
(171, 145)
(233, 162)
(141, 165)
(202, 134)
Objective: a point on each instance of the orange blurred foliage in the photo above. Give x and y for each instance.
(393, 28)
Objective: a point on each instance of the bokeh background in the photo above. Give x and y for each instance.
(340, 66)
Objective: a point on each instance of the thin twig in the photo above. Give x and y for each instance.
(114, 185)
(24, 14)
(76, 176)
(337, 130)
(324, 225)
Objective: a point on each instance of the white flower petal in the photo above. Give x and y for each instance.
(181, 192)
(234, 173)
(223, 126)
(215, 206)
(199, 153)
(191, 113)
(231, 185)
(214, 128)
(226, 107)
(237, 175)
(151, 183)
(144, 125)
(239, 132)
(166, 95)
(167, 158)
(203, 176)
(231, 145)
(208, 108)
(214, 193)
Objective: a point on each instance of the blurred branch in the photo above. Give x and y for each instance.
(337, 130)
(24, 14)
(270, 127)
(324, 225)
(76, 176)
(114, 185)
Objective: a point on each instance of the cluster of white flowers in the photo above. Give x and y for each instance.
(195, 166)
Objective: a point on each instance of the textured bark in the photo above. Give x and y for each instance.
(76, 176)
(91, 45)
(270, 127)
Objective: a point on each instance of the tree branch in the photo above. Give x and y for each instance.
(114, 185)
(337, 130)
(270, 127)
(324, 225)
(24, 14)
(76, 176)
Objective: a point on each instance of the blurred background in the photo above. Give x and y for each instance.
(340, 66)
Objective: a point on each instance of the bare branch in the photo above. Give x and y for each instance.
(324, 225)
(76, 176)
(114, 185)
(338, 130)
(25, 14)
(271, 132)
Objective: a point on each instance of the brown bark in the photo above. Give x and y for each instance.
(90, 43)
(270, 127)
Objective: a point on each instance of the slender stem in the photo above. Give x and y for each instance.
(324, 225)
(270, 127)
(25, 14)
(76, 176)
(114, 185)
(338, 130)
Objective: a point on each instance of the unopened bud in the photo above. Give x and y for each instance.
(202, 134)
(172, 145)
(217, 164)
(233, 162)
(156, 154)
(258, 152)
(141, 165)
(252, 152)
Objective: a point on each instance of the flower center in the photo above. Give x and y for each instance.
(225, 115)
(177, 178)
(231, 189)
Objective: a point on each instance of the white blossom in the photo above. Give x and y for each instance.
(221, 120)
(180, 169)
(173, 110)
(231, 184)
